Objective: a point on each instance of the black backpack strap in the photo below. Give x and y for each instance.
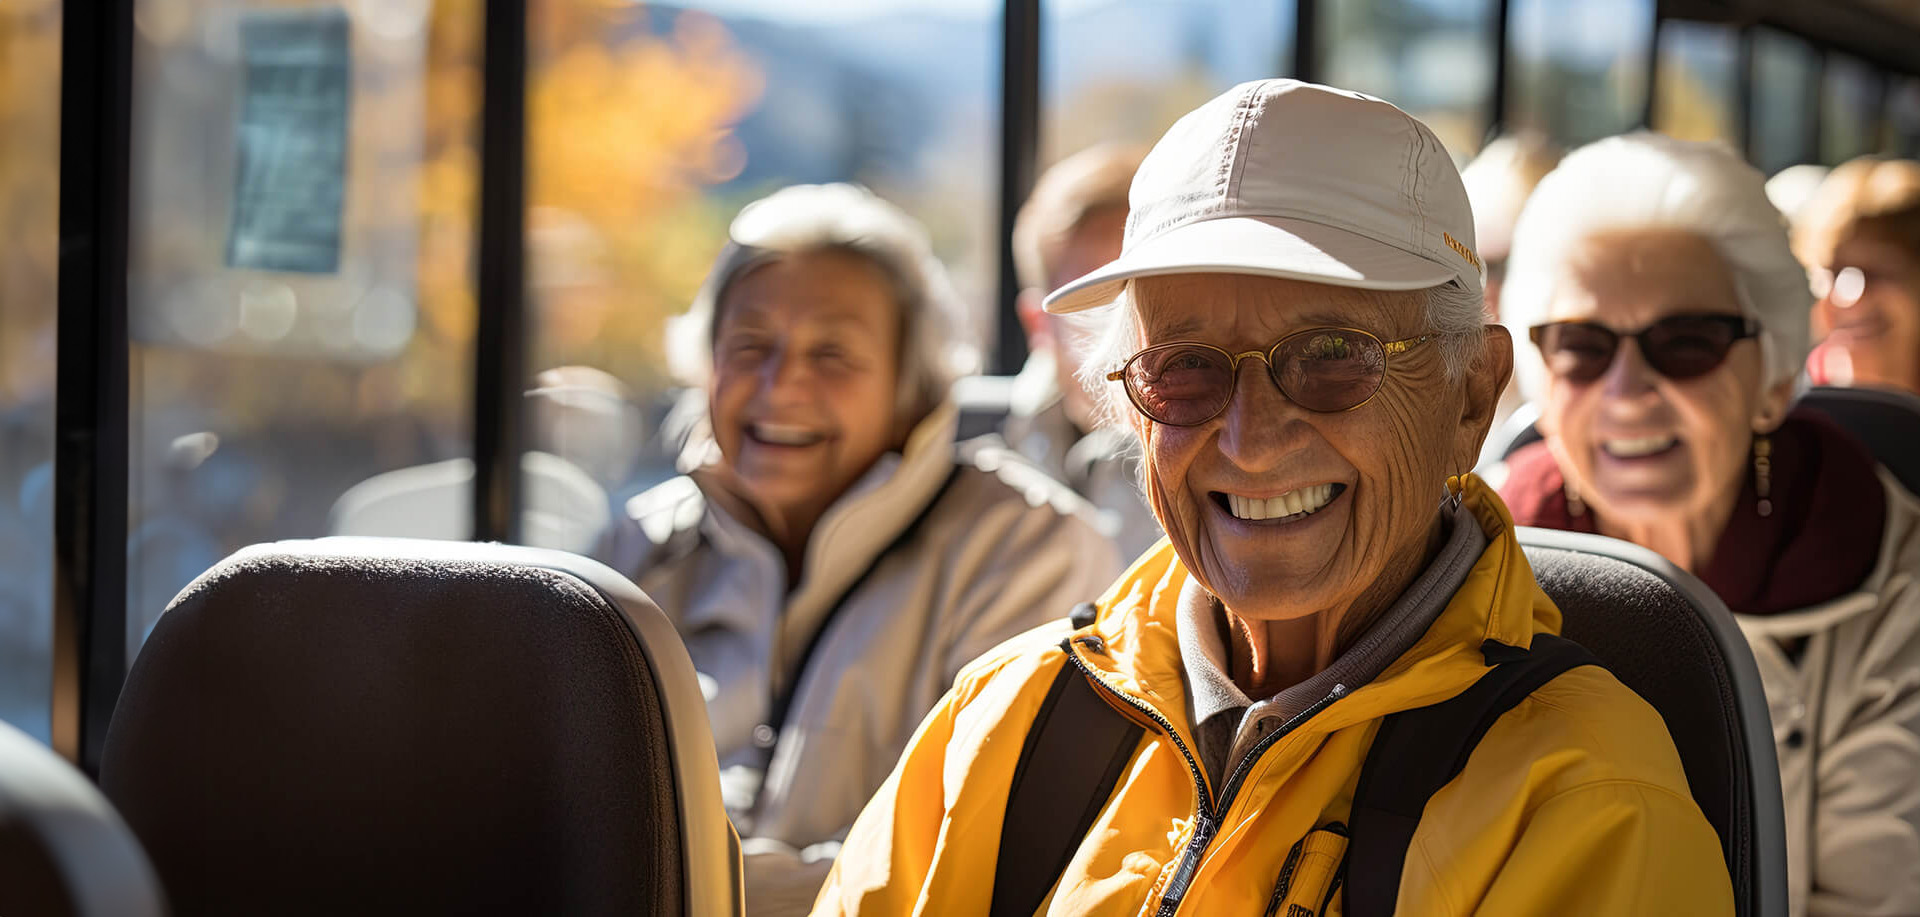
(1416, 752)
(1072, 758)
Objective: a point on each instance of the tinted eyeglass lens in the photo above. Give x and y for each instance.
(1180, 385)
(1578, 352)
(1685, 347)
(1329, 370)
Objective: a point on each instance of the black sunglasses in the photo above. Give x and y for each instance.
(1678, 346)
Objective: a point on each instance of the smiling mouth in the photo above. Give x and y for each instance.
(1291, 506)
(776, 434)
(1642, 447)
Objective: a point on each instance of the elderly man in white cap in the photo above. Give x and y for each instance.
(1337, 686)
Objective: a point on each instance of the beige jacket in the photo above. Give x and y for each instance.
(1846, 722)
(1002, 549)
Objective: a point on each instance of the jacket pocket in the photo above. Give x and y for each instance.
(1310, 877)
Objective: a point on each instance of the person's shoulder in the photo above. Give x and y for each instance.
(1586, 728)
(990, 473)
(1903, 520)
(1011, 667)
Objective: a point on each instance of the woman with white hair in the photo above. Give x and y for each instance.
(1669, 322)
(831, 557)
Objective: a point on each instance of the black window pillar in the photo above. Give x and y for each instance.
(1653, 70)
(1306, 41)
(1019, 152)
(500, 338)
(1502, 57)
(90, 413)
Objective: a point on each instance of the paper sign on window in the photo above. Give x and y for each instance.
(292, 140)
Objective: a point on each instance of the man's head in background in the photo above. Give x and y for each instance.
(1072, 223)
(1498, 181)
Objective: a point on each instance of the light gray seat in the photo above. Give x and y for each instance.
(63, 850)
(1664, 634)
(387, 726)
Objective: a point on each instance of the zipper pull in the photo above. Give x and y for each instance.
(1281, 884)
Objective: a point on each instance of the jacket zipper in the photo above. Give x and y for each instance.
(1286, 877)
(1209, 815)
(1197, 848)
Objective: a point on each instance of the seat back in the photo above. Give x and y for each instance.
(1887, 422)
(63, 850)
(363, 725)
(1512, 433)
(1664, 634)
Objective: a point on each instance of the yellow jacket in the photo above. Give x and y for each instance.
(1573, 803)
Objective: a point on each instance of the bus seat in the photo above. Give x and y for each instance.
(984, 403)
(1888, 422)
(1512, 433)
(387, 725)
(1664, 634)
(63, 850)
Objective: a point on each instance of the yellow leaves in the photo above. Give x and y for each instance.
(625, 137)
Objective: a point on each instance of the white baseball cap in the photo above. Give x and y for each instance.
(1289, 179)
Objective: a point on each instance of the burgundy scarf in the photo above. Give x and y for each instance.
(1821, 542)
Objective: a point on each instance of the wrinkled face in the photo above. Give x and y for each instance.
(1635, 444)
(1359, 488)
(1870, 318)
(805, 366)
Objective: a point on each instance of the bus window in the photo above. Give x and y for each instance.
(1786, 86)
(1433, 58)
(1851, 110)
(1124, 70)
(1698, 91)
(29, 221)
(649, 127)
(301, 300)
(1579, 67)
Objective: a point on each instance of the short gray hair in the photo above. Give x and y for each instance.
(1648, 181)
(839, 217)
(1111, 334)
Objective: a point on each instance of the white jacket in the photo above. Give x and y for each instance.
(1846, 722)
(996, 547)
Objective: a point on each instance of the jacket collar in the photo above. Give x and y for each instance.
(1498, 601)
(876, 509)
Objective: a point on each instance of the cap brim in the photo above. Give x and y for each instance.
(1267, 247)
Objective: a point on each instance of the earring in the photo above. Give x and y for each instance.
(1575, 507)
(1763, 473)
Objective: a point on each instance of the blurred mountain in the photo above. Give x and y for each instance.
(868, 97)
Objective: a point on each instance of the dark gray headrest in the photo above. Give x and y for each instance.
(371, 725)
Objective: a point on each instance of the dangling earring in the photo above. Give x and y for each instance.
(1763, 473)
(1574, 505)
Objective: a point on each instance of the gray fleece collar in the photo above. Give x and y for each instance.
(1203, 652)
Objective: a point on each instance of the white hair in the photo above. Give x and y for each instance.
(839, 217)
(1648, 181)
(1111, 334)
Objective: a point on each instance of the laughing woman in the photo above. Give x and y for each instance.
(832, 558)
(1669, 322)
